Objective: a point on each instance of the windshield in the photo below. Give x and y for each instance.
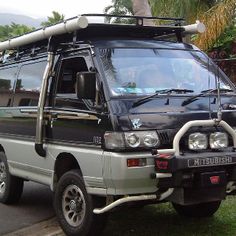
(132, 71)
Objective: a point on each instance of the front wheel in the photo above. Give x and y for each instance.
(74, 207)
(205, 209)
(11, 187)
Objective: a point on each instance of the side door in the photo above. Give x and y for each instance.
(74, 120)
(23, 159)
(76, 127)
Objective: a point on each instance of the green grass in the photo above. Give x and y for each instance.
(163, 220)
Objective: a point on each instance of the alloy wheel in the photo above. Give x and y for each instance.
(73, 205)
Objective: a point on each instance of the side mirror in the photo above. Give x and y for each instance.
(86, 85)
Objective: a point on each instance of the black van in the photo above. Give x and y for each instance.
(109, 114)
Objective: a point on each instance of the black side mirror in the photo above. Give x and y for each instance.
(86, 85)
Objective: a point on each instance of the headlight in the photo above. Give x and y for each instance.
(132, 139)
(147, 139)
(197, 141)
(151, 140)
(135, 139)
(218, 140)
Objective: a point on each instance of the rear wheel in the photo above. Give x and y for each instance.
(205, 209)
(11, 187)
(74, 207)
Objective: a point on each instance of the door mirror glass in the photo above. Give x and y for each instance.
(86, 85)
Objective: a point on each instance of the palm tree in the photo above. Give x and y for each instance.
(215, 14)
(19, 29)
(5, 32)
(13, 30)
(189, 9)
(119, 7)
(55, 18)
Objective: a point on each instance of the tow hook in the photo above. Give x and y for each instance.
(231, 188)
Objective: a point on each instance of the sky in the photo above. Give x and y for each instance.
(43, 8)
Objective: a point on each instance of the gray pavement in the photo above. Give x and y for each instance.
(46, 228)
(35, 206)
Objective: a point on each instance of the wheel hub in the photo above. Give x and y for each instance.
(73, 205)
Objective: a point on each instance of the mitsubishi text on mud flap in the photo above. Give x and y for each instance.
(109, 114)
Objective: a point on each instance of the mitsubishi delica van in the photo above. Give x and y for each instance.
(110, 115)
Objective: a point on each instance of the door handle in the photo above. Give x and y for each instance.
(52, 121)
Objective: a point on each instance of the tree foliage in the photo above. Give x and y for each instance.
(55, 18)
(119, 7)
(216, 19)
(215, 14)
(13, 30)
(189, 9)
(227, 41)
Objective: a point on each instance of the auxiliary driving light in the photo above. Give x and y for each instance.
(218, 140)
(197, 141)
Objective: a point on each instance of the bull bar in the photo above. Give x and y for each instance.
(176, 151)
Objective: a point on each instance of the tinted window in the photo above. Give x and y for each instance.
(29, 83)
(7, 79)
(66, 96)
(69, 69)
(145, 71)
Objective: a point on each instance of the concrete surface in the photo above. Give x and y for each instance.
(35, 206)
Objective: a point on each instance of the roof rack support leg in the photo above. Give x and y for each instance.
(42, 100)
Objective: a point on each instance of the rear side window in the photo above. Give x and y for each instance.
(28, 84)
(7, 81)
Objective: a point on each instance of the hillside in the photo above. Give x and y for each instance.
(8, 18)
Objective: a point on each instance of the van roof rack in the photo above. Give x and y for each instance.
(79, 29)
(140, 19)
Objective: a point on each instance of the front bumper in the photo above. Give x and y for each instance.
(193, 161)
(196, 177)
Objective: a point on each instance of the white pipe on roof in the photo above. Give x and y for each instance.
(67, 26)
(196, 28)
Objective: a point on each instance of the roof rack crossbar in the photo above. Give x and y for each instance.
(139, 19)
(135, 17)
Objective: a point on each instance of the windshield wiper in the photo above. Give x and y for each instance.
(158, 92)
(204, 93)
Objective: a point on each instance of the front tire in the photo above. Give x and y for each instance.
(205, 209)
(74, 207)
(11, 187)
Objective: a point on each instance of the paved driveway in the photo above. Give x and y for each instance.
(35, 206)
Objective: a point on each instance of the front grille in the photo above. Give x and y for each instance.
(164, 137)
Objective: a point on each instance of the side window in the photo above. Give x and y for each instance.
(28, 84)
(67, 78)
(66, 95)
(7, 80)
